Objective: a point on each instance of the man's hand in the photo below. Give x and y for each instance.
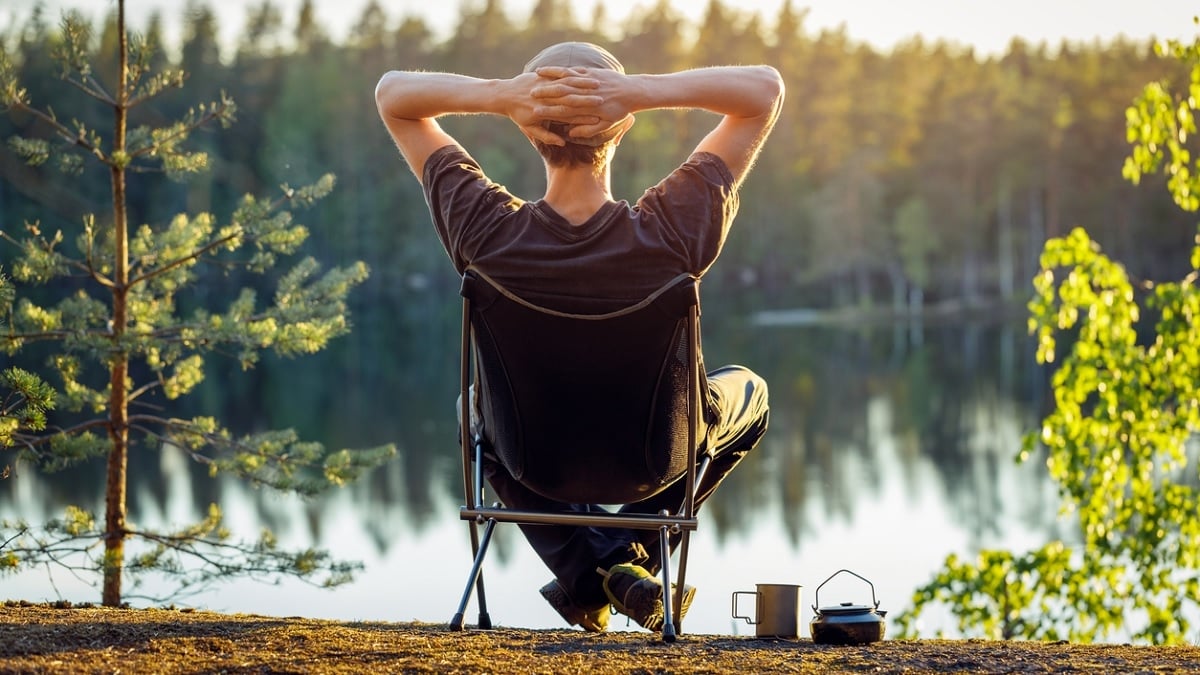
(527, 109)
(585, 98)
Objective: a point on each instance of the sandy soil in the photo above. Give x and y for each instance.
(48, 639)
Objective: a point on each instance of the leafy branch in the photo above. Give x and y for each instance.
(1117, 441)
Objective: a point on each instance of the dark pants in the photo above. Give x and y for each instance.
(739, 399)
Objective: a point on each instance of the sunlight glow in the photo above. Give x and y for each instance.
(988, 27)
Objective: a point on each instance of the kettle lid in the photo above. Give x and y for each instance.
(845, 609)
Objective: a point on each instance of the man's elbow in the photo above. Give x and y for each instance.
(772, 87)
(384, 90)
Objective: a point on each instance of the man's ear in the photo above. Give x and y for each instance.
(626, 125)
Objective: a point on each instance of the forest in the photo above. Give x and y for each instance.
(925, 175)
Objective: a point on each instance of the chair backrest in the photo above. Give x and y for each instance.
(587, 408)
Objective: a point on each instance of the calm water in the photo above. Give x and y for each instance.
(890, 447)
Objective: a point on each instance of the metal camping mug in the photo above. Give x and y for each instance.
(776, 610)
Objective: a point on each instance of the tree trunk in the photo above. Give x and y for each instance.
(1005, 244)
(862, 284)
(1037, 232)
(118, 402)
(900, 288)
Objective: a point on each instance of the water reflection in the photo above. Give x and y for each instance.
(890, 446)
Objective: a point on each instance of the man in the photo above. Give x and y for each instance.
(577, 249)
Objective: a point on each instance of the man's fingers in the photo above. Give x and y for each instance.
(562, 88)
(540, 133)
(588, 130)
(567, 113)
(558, 72)
(557, 81)
(572, 118)
(575, 101)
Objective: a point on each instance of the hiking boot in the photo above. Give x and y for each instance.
(591, 620)
(637, 594)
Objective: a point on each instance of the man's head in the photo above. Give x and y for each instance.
(592, 150)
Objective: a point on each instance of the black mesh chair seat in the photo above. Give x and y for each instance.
(585, 408)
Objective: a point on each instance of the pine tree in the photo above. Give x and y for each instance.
(129, 322)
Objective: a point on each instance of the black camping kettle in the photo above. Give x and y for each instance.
(847, 624)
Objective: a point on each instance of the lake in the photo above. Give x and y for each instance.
(891, 445)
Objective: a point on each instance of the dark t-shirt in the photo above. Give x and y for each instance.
(620, 255)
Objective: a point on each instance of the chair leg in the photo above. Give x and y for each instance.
(485, 619)
(668, 629)
(679, 591)
(475, 578)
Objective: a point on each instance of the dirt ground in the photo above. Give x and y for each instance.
(49, 639)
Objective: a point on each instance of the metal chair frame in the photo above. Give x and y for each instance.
(477, 514)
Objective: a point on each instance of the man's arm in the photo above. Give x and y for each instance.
(748, 98)
(410, 102)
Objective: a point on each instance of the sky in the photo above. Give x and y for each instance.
(987, 26)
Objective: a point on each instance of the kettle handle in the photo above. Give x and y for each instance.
(817, 593)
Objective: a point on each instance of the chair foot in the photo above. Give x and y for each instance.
(485, 621)
(668, 600)
(456, 623)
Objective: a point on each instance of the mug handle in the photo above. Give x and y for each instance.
(734, 609)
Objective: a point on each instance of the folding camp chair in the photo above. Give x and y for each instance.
(583, 409)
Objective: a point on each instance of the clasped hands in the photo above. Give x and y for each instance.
(585, 99)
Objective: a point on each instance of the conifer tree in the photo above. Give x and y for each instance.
(124, 311)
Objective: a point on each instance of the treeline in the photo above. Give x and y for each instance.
(923, 174)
